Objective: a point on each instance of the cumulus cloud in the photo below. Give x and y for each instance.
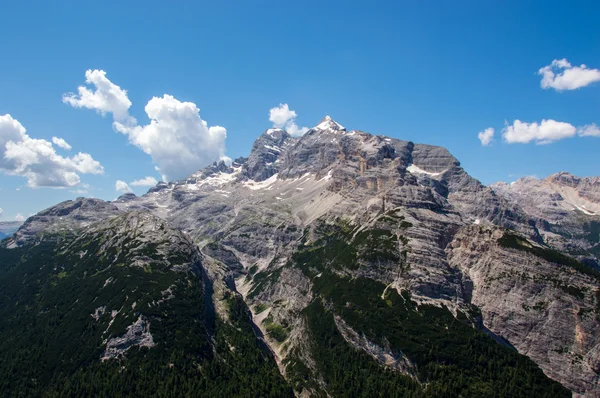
(61, 143)
(145, 182)
(1, 212)
(37, 160)
(546, 132)
(561, 75)
(543, 133)
(177, 138)
(590, 130)
(283, 117)
(122, 186)
(486, 136)
(19, 217)
(105, 97)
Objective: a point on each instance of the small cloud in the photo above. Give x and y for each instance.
(1, 212)
(590, 130)
(59, 142)
(144, 182)
(122, 186)
(546, 132)
(19, 217)
(486, 136)
(561, 75)
(283, 117)
(106, 97)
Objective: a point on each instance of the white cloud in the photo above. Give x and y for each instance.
(145, 182)
(283, 117)
(561, 75)
(177, 138)
(61, 143)
(106, 97)
(37, 160)
(1, 212)
(486, 136)
(19, 217)
(544, 133)
(590, 130)
(122, 186)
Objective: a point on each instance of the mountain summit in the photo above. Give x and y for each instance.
(329, 264)
(329, 124)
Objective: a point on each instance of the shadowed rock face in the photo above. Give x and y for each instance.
(263, 161)
(405, 215)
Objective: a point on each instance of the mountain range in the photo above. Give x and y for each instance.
(339, 263)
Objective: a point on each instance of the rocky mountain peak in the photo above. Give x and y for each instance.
(126, 197)
(329, 124)
(64, 218)
(261, 163)
(564, 178)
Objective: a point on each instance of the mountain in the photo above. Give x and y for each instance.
(339, 263)
(565, 208)
(7, 228)
(119, 309)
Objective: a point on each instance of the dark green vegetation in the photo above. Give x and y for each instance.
(342, 246)
(592, 230)
(513, 241)
(449, 357)
(50, 345)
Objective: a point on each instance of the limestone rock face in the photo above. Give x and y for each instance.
(565, 209)
(264, 158)
(546, 310)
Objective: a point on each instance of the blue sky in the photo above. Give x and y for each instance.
(435, 72)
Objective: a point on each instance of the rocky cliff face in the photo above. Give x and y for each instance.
(331, 237)
(565, 209)
(543, 303)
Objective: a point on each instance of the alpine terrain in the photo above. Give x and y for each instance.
(339, 263)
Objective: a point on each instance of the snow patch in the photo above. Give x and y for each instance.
(273, 148)
(416, 170)
(327, 177)
(584, 210)
(251, 184)
(329, 124)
